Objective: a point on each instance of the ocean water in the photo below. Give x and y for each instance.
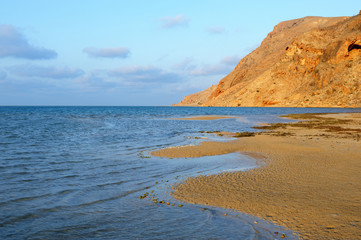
(79, 172)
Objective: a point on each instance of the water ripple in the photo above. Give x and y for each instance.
(78, 172)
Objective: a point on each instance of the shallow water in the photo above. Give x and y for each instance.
(78, 172)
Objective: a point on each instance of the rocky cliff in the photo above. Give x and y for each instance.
(307, 62)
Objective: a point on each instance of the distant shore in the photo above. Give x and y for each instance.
(309, 184)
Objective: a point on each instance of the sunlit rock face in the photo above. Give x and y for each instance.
(306, 62)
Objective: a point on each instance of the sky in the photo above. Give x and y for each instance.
(133, 53)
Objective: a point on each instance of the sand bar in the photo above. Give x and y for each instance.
(311, 182)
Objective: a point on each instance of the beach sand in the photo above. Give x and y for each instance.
(310, 182)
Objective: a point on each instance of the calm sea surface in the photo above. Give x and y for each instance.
(79, 172)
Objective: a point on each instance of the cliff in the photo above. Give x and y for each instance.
(306, 62)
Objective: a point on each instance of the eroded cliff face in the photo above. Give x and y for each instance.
(307, 62)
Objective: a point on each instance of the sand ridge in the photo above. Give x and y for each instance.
(310, 182)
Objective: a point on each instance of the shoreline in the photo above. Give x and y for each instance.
(309, 184)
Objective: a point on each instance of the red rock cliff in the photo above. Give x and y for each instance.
(307, 62)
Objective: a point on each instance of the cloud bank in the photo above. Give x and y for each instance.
(224, 67)
(30, 70)
(141, 75)
(185, 65)
(209, 70)
(14, 44)
(171, 22)
(119, 52)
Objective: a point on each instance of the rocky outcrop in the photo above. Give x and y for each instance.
(307, 62)
(197, 99)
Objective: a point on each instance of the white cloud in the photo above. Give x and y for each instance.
(225, 66)
(208, 70)
(231, 60)
(185, 65)
(118, 52)
(179, 20)
(134, 70)
(29, 71)
(14, 44)
(94, 81)
(140, 75)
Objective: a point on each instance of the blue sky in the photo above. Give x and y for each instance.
(133, 52)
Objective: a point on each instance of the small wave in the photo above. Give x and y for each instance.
(17, 219)
(110, 184)
(71, 176)
(28, 180)
(23, 199)
(111, 198)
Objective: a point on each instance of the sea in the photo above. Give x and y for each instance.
(86, 172)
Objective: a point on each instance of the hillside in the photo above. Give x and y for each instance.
(306, 62)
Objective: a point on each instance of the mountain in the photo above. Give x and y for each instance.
(306, 62)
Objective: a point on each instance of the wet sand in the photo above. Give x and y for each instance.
(311, 182)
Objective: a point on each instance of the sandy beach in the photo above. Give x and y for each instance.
(309, 180)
